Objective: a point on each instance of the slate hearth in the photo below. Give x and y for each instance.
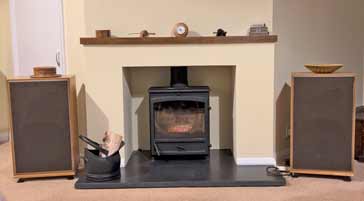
(217, 170)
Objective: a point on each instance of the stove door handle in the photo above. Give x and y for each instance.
(157, 149)
(180, 148)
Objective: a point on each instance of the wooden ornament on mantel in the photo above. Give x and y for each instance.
(143, 33)
(103, 33)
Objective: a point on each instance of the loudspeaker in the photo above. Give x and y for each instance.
(322, 123)
(43, 118)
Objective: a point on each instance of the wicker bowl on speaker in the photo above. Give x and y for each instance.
(323, 68)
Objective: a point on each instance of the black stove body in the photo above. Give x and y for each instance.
(179, 117)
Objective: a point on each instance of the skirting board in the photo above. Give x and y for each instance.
(255, 161)
(122, 163)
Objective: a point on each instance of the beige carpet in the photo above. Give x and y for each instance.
(300, 189)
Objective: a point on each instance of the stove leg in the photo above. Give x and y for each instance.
(20, 180)
(70, 177)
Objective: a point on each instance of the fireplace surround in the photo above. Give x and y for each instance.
(110, 108)
(179, 117)
(252, 87)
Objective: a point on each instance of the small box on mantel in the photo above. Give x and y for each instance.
(103, 33)
(258, 30)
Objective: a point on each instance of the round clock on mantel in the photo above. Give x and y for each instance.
(180, 30)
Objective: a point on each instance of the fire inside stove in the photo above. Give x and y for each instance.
(180, 118)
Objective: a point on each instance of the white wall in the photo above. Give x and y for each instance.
(314, 31)
(5, 62)
(202, 16)
(98, 67)
(318, 31)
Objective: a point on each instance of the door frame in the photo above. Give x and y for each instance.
(14, 42)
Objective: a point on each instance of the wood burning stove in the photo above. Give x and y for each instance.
(179, 117)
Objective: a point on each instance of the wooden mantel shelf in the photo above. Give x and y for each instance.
(178, 40)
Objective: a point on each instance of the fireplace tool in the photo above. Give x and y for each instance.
(98, 168)
(143, 33)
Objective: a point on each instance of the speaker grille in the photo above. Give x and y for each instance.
(323, 112)
(41, 130)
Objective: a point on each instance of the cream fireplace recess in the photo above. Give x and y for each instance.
(219, 80)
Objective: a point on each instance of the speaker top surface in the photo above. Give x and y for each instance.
(29, 78)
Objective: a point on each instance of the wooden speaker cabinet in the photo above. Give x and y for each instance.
(43, 118)
(322, 123)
